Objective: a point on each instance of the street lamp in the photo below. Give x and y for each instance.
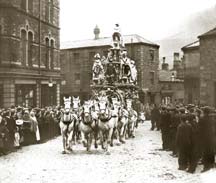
(50, 84)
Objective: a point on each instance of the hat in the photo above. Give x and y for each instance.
(97, 56)
(206, 109)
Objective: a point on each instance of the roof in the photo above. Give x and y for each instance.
(105, 41)
(192, 45)
(165, 76)
(209, 33)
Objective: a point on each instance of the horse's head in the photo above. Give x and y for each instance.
(103, 106)
(67, 102)
(87, 107)
(76, 103)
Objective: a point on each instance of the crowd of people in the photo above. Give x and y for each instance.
(189, 132)
(24, 126)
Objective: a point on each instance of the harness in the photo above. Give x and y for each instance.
(67, 119)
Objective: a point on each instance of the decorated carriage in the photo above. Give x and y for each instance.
(115, 76)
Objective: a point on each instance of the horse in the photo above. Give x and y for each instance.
(132, 118)
(115, 113)
(105, 128)
(122, 123)
(88, 126)
(76, 108)
(66, 124)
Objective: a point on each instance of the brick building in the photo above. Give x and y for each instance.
(77, 60)
(171, 87)
(200, 59)
(29, 53)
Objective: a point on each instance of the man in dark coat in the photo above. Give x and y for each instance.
(183, 142)
(175, 121)
(155, 117)
(206, 132)
(165, 124)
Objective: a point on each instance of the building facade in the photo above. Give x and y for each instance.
(77, 59)
(29, 53)
(192, 73)
(208, 68)
(200, 59)
(171, 87)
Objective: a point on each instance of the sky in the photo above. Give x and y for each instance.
(151, 19)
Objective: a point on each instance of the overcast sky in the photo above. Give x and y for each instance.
(152, 19)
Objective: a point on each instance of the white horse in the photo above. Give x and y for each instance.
(88, 126)
(67, 126)
(76, 107)
(122, 124)
(115, 113)
(132, 118)
(103, 122)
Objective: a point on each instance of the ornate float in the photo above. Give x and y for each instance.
(115, 76)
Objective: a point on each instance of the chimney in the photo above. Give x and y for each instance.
(176, 56)
(96, 32)
(165, 66)
(176, 61)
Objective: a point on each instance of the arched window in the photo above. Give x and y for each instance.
(52, 54)
(30, 48)
(47, 61)
(23, 46)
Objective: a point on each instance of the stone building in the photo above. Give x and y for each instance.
(192, 73)
(29, 53)
(200, 59)
(171, 87)
(208, 68)
(77, 60)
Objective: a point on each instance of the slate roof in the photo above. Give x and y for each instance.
(105, 41)
(209, 33)
(192, 45)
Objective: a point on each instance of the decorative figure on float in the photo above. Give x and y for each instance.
(110, 73)
(133, 72)
(125, 68)
(98, 70)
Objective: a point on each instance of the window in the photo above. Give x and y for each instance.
(91, 56)
(30, 48)
(52, 54)
(152, 77)
(25, 95)
(47, 54)
(27, 5)
(77, 78)
(49, 12)
(151, 55)
(76, 57)
(23, 47)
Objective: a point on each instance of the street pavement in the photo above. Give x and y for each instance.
(137, 161)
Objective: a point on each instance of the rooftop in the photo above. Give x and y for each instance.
(192, 45)
(105, 41)
(209, 33)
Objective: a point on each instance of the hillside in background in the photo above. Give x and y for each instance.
(194, 26)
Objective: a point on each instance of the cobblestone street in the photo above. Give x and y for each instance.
(139, 160)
